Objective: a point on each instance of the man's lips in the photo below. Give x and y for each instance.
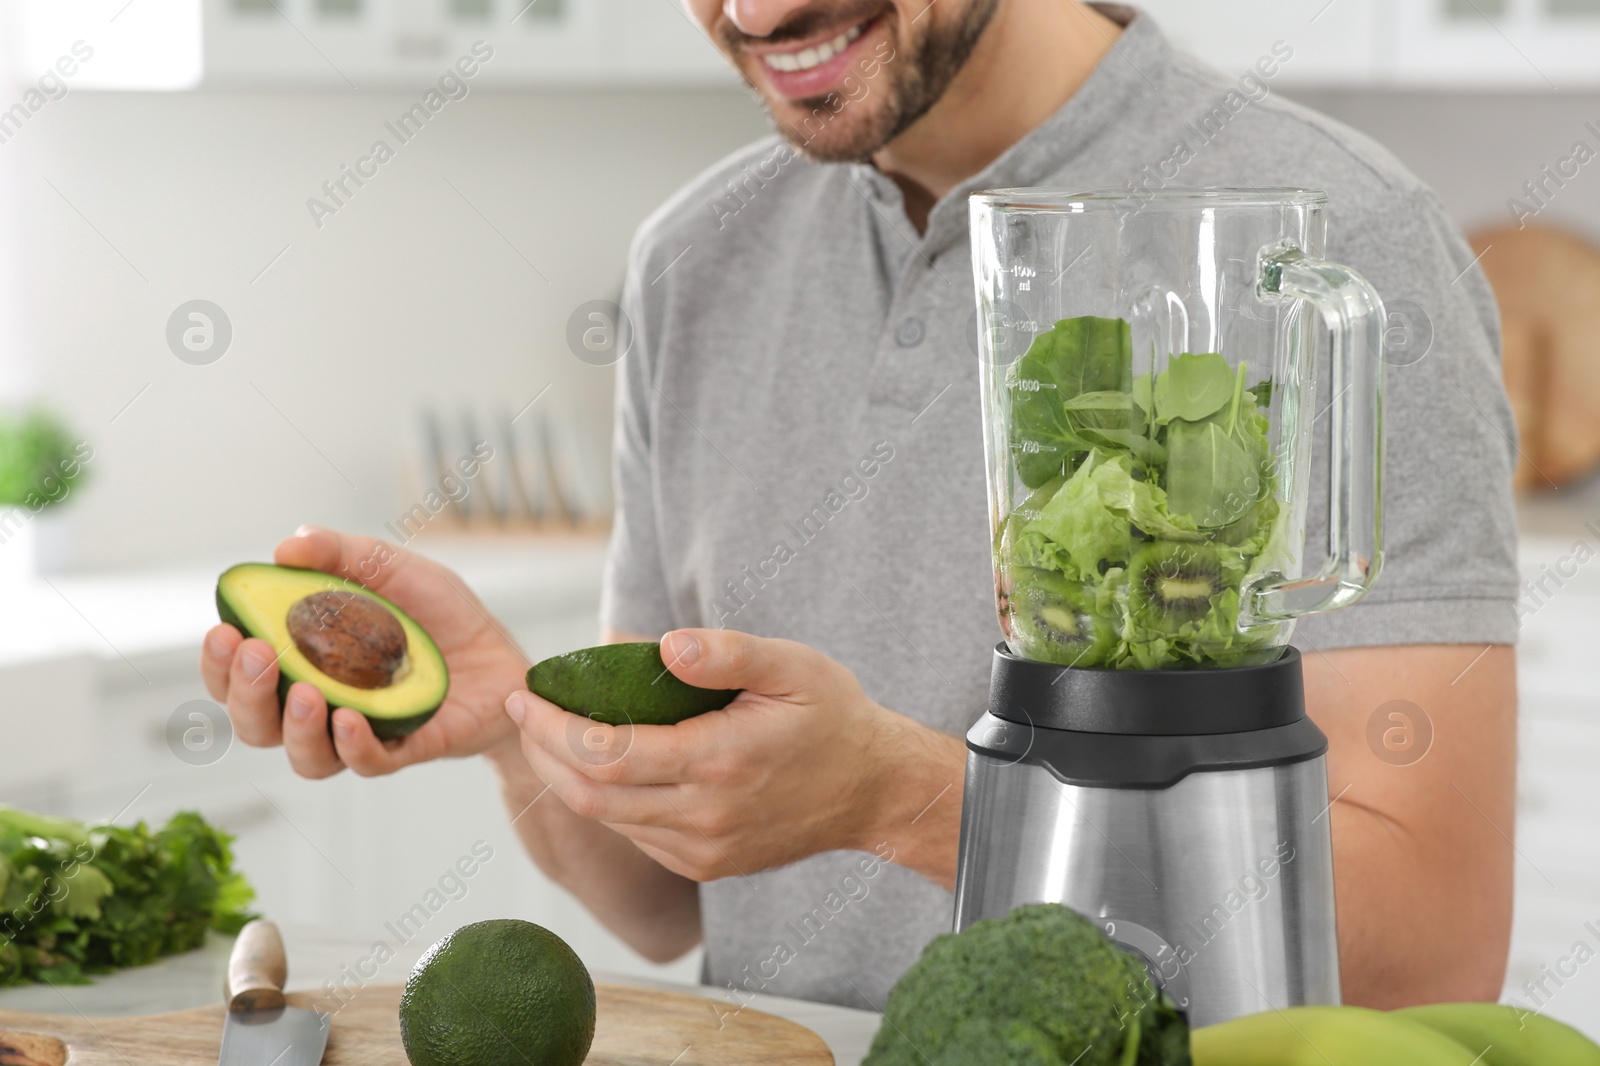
(798, 70)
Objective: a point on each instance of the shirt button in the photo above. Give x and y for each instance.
(909, 335)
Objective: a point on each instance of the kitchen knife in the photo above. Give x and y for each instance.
(261, 1030)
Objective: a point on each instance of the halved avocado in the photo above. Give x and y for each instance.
(382, 663)
(622, 684)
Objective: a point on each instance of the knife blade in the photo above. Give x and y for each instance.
(261, 1029)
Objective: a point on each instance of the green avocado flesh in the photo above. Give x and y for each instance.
(397, 688)
(622, 684)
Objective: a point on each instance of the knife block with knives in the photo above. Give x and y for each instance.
(262, 1026)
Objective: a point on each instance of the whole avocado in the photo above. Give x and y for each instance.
(1039, 987)
(501, 992)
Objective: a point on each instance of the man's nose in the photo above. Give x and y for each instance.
(758, 18)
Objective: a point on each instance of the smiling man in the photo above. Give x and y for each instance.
(802, 515)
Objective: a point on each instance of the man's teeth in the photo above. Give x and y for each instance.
(813, 56)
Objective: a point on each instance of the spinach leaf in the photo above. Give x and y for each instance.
(1262, 391)
(1216, 468)
(1193, 387)
(1113, 408)
(1213, 476)
(1104, 419)
(1143, 395)
(1074, 357)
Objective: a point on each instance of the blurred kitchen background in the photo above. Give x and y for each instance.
(343, 357)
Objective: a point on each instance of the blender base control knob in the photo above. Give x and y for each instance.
(1159, 958)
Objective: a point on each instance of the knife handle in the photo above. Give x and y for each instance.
(257, 969)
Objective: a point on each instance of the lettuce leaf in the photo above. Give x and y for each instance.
(1143, 501)
(1079, 519)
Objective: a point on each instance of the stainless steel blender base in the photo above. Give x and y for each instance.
(1223, 882)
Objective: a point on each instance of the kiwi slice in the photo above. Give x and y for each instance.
(1053, 621)
(1171, 584)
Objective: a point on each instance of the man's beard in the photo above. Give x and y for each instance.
(904, 89)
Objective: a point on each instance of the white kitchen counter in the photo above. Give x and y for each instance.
(317, 955)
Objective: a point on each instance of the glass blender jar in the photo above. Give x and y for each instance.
(1150, 403)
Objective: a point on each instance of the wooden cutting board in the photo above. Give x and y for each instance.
(1547, 282)
(635, 1027)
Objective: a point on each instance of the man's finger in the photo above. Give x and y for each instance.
(726, 658)
(365, 560)
(216, 659)
(621, 755)
(587, 798)
(361, 750)
(305, 733)
(357, 746)
(253, 694)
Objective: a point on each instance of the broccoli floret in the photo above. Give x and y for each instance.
(1039, 987)
(997, 1044)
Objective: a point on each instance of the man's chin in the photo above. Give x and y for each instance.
(847, 133)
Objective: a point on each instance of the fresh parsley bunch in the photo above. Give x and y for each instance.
(78, 900)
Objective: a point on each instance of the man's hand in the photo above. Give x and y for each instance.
(484, 665)
(801, 762)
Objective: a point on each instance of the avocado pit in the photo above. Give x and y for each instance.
(353, 639)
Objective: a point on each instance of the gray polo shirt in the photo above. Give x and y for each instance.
(799, 451)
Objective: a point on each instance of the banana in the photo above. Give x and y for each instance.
(1326, 1036)
(1506, 1036)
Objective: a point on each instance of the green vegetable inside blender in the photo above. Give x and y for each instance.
(1152, 503)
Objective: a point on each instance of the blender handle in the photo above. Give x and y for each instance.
(1353, 314)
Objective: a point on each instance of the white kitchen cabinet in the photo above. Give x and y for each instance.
(1523, 44)
(1477, 44)
(372, 42)
(363, 43)
(1337, 43)
(1461, 44)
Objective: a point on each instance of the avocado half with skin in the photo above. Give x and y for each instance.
(357, 648)
(622, 684)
